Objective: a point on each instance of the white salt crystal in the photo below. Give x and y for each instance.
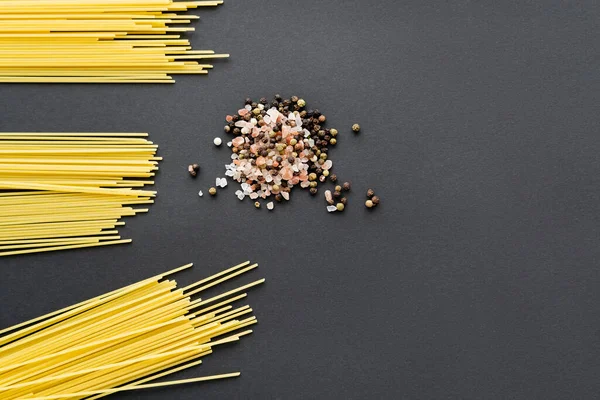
(285, 195)
(331, 208)
(241, 196)
(248, 107)
(217, 141)
(254, 195)
(200, 193)
(229, 144)
(261, 107)
(253, 121)
(270, 205)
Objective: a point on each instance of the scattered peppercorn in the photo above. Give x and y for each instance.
(370, 193)
(313, 191)
(340, 206)
(326, 172)
(346, 186)
(356, 128)
(343, 200)
(375, 200)
(334, 132)
(193, 169)
(256, 204)
(322, 178)
(369, 203)
(337, 194)
(338, 188)
(301, 103)
(332, 141)
(212, 191)
(333, 177)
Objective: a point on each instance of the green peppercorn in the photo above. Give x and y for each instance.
(256, 111)
(346, 186)
(322, 118)
(333, 132)
(301, 103)
(313, 191)
(312, 176)
(326, 172)
(276, 188)
(212, 191)
(294, 99)
(356, 128)
(323, 156)
(340, 206)
(370, 193)
(369, 204)
(293, 142)
(338, 188)
(332, 141)
(375, 200)
(333, 177)
(314, 184)
(256, 204)
(337, 194)
(343, 200)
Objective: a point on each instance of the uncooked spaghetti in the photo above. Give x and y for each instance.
(121, 340)
(99, 41)
(62, 191)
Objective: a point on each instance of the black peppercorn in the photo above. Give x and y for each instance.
(248, 100)
(263, 100)
(313, 191)
(278, 198)
(316, 113)
(375, 200)
(333, 177)
(264, 153)
(235, 118)
(370, 193)
(319, 171)
(278, 97)
(346, 186)
(290, 159)
(337, 194)
(254, 105)
(294, 99)
(343, 200)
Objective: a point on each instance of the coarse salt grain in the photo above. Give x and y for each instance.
(200, 193)
(331, 208)
(270, 205)
(217, 141)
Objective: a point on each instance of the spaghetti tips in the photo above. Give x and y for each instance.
(122, 340)
(61, 191)
(99, 41)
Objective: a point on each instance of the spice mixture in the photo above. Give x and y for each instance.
(277, 146)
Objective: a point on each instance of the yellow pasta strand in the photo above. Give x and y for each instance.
(121, 41)
(120, 341)
(61, 191)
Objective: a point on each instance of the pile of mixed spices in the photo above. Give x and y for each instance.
(277, 146)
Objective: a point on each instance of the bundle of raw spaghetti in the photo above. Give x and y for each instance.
(62, 191)
(121, 340)
(98, 41)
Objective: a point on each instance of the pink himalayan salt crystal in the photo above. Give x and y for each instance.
(327, 165)
(303, 176)
(243, 112)
(261, 162)
(304, 184)
(295, 180)
(328, 195)
(285, 195)
(229, 118)
(287, 173)
(238, 141)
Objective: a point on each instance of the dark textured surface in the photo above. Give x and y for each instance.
(477, 277)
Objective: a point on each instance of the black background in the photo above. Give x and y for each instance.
(476, 278)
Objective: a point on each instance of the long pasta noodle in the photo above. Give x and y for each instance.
(99, 41)
(122, 340)
(61, 191)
